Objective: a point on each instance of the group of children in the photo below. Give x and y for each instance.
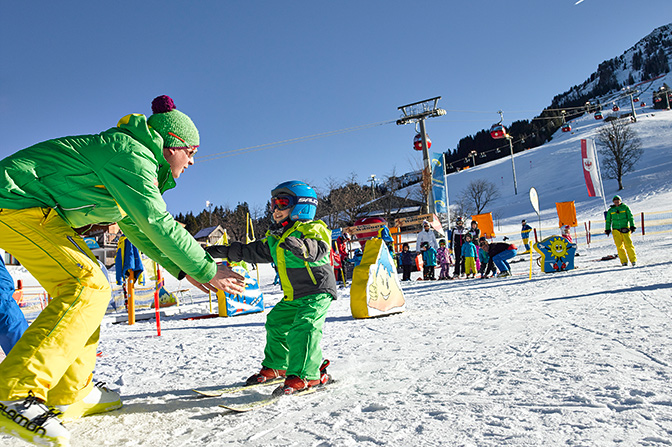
(474, 260)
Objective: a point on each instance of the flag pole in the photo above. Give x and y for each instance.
(445, 187)
(599, 174)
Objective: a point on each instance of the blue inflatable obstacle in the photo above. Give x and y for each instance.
(250, 301)
(557, 254)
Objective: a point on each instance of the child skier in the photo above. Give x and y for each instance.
(469, 256)
(429, 259)
(487, 268)
(566, 233)
(407, 260)
(445, 259)
(300, 248)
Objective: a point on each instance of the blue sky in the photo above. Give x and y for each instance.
(258, 72)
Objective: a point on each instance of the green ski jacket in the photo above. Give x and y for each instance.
(299, 277)
(115, 176)
(619, 217)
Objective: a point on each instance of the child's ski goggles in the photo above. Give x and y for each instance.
(282, 202)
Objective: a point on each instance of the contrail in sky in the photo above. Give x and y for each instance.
(578, 2)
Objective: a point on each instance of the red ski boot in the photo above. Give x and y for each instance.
(264, 375)
(296, 383)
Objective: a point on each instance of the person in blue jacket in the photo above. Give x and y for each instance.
(357, 257)
(525, 235)
(12, 321)
(429, 259)
(500, 253)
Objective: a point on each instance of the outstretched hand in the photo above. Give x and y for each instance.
(225, 279)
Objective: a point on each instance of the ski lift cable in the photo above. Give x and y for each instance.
(280, 143)
(259, 147)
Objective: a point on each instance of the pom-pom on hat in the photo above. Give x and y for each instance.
(166, 119)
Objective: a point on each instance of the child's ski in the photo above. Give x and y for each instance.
(270, 400)
(237, 388)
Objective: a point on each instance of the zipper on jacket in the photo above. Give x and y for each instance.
(92, 207)
(310, 272)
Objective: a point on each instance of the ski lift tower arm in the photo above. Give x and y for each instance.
(420, 110)
(417, 112)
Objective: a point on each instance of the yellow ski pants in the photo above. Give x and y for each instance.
(624, 247)
(56, 355)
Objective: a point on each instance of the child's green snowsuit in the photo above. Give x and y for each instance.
(294, 325)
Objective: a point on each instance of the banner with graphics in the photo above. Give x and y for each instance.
(591, 171)
(439, 184)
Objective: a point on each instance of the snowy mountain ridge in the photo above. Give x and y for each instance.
(648, 58)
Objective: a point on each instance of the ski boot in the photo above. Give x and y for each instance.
(295, 383)
(99, 400)
(31, 420)
(264, 375)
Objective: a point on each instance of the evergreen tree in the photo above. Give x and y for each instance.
(190, 223)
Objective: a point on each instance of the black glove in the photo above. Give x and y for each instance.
(607, 232)
(632, 229)
(295, 245)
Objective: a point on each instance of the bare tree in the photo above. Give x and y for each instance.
(477, 195)
(621, 148)
(393, 197)
(344, 201)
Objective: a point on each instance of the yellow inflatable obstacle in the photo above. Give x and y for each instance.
(376, 289)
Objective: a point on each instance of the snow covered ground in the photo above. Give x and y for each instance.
(574, 358)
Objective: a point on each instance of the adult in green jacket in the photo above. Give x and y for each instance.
(619, 218)
(51, 192)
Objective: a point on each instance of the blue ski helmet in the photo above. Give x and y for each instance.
(303, 197)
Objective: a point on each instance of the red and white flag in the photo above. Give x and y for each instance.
(591, 170)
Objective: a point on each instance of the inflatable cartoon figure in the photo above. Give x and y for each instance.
(375, 287)
(384, 292)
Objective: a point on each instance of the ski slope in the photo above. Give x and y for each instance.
(555, 171)
(574, 358)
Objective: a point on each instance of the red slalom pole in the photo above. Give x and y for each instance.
(156, 300)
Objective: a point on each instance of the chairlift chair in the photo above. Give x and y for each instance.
(566, 127)
(598, 115)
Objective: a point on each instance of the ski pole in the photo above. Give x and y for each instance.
(156, 301)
